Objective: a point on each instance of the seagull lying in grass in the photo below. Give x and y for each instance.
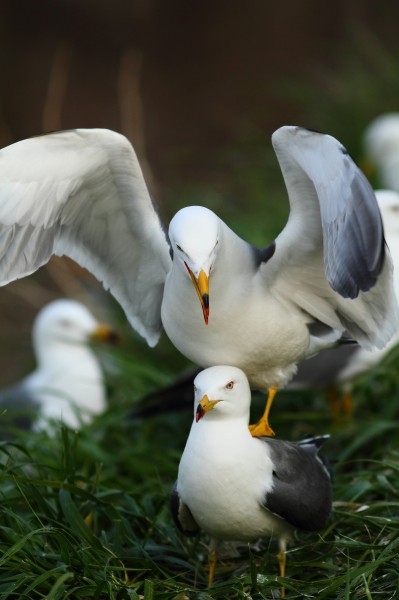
(221, 301)
(68, 383)
(237, 487)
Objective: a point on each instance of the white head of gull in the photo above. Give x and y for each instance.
(67, 384)
(195, 254)
(237, 487)
(219, 299)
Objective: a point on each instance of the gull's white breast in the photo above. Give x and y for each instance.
(223, 479)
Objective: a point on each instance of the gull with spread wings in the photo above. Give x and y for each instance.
(328, 274)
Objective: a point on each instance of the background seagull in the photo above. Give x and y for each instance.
(237, 487)
(381, 146)
(68, 382)
(82, 193)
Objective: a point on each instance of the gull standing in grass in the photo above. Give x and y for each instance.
(237, 487)
(68, 383)
(221, 300)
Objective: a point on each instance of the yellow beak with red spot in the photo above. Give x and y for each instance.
(204, 406)
(201, 284)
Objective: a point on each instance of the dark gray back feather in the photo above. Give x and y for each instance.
(302, 493)
(263, 255)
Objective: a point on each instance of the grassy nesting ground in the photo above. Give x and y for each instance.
(86, 515)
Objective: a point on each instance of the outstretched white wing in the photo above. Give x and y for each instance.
(82, 193)
(331, 258)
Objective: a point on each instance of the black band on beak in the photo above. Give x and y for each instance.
(199, 413)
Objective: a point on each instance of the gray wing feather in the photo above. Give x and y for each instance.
(18, 408)
(182, 515)
(352, 232)
(81, 193)
(354, 247)
(301, 491)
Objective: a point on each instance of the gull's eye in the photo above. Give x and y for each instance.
(230, 385)
(179, 247)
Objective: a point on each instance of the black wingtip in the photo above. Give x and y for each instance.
(317, 440)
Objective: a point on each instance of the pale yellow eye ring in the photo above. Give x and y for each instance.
(230, 385)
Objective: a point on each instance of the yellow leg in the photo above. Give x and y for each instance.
(282, 560)
(339, 409)
(262, 427)
(347, 404)
(212, 560)
(334, 406)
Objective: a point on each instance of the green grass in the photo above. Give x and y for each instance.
(86, 515)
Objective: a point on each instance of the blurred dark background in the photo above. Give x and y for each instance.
(198, 88)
